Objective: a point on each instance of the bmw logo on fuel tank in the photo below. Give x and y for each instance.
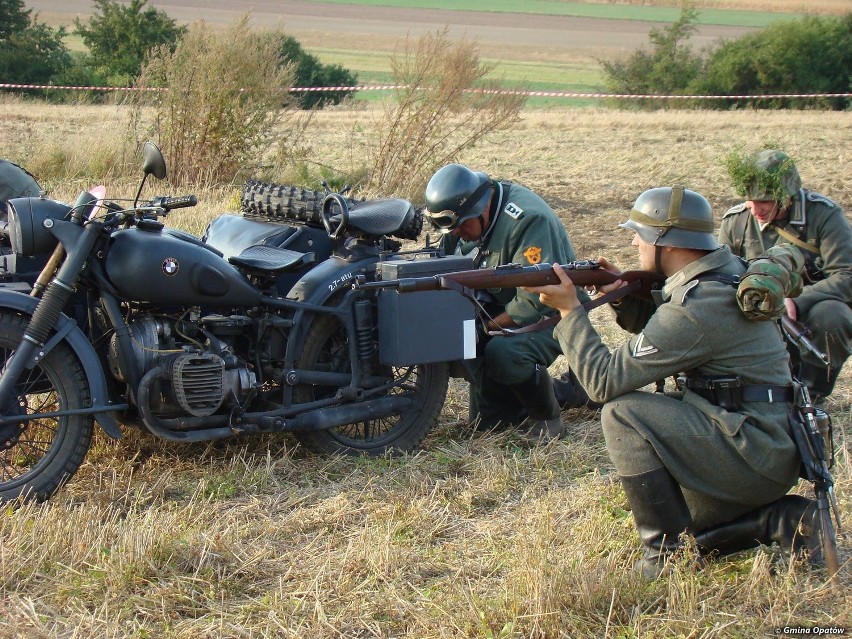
(170, 266)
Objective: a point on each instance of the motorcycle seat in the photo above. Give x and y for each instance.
(379, 217)
(271, 259)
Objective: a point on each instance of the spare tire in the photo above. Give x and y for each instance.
(283, 202)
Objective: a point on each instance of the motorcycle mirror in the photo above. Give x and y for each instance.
(153, 162)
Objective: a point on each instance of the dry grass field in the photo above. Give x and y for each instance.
(477, 535)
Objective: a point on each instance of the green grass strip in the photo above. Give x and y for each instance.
(725, 17)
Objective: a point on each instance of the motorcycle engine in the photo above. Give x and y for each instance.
(198, 375)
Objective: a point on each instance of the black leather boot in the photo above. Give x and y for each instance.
(820, 381)
(661, 516)
(569, 393)
(790, 522)
(536, 394)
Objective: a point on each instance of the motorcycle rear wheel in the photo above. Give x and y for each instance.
(326, 350)
(41, 455)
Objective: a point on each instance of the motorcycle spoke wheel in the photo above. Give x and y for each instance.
(326, 349)
(38, 456)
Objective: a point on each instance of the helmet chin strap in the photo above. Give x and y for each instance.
(658, 259)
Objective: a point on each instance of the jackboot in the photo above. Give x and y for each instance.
(661, 516)
(536, 394)
(570, 394)
(790, 522)
(819, 380)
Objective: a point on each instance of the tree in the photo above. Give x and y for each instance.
(119, 37)
(30, 51)
(13, 18)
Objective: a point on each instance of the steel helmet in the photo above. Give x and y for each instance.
(673, 216)
(769, 175)
(455, 194)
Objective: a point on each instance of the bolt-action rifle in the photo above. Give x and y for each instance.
(800, 335)
(815, 465)
(581, 272)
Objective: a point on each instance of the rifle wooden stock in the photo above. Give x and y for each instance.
(582, 273)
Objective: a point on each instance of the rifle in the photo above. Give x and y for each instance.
(800, 335)
(815, 464)
(581, 272)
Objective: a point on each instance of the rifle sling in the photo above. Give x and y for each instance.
(795, 240)
(547, 322)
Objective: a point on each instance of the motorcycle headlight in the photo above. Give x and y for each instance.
(27, 233)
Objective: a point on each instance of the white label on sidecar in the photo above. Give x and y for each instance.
(469, 334)
(340, 281)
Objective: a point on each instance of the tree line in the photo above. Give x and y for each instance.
(119, 38)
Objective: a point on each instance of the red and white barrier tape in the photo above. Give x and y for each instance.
(545, 94)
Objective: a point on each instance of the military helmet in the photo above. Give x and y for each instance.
(455, 194)
(673, 216)
(769, 175)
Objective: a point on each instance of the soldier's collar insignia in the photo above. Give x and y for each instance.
(513, 210)
(533, 254)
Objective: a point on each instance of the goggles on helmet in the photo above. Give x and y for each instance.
(446, 220)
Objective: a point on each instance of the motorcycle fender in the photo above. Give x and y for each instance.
(82, 349)
(333, 275)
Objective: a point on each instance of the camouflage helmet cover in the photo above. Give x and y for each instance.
(455, 194)
(673, 216)
(769, 175)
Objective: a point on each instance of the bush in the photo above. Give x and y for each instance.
(310, 72)
(446, 107)
(119, 37)
(223, 94)
(667, 69)
(811, 55)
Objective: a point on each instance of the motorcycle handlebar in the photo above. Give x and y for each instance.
(170, 203)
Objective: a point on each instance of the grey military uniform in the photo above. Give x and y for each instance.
(526, 231)
(825, 305)
(726, 462)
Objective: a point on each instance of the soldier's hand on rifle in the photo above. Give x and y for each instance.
(562, 296)
(606, 288)
(790, 306)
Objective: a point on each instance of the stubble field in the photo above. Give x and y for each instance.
(477, 535)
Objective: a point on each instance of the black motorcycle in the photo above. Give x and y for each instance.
(255, 328)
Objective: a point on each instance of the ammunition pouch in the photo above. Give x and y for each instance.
(813, 271)
(728, 391)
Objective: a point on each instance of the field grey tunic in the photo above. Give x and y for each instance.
(727, 462)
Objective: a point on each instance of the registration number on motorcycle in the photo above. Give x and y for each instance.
(340, 281)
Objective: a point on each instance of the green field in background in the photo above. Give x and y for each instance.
(374, 68)
(726, 17)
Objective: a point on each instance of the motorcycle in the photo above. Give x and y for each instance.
(254, 328)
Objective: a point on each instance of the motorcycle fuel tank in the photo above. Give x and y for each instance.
(155, 266)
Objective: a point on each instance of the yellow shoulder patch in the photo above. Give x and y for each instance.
(533, 254)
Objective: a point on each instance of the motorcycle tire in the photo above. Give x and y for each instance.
(39, 456)
(290, 203)
(283, 202)
(326, 349)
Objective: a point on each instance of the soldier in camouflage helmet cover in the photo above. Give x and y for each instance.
(778, 210)
(715, 459)
(497, 223)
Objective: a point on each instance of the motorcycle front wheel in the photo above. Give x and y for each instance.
(326, 349)
(38, 456)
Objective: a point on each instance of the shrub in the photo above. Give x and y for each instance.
(667, 69)
(310, 72)
(446, 106)
(811, 55)
(223, 94)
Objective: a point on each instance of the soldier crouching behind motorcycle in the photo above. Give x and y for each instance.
(498, 223)
(717, 461)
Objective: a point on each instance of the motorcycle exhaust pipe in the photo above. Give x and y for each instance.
(218, 427)
(324, 418)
